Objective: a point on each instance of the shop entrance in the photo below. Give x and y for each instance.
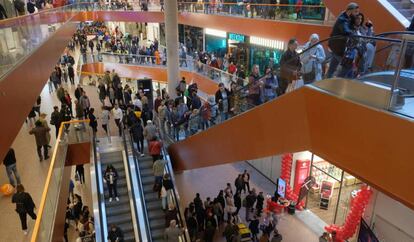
(332, 193)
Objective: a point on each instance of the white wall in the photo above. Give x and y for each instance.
(395, 221)
(269, 166)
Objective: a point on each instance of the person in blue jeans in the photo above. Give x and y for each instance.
(11, 168)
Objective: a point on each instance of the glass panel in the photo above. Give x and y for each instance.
(21, 36)
(309, 11)
(402, 100)
(70, 133)
(323, 196)
(349, 186)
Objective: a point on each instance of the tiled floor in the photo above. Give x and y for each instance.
(208, 181)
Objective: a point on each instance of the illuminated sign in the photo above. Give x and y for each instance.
(215, 32)
(237, 37)
(274, 44)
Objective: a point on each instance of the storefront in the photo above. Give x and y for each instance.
(215, 42)
(265, 52)
(191, 37)
(238, 48)
(329, 198)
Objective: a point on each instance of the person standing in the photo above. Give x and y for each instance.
(40, 134)
(312, 60)
(223, 99)
(80, 171)
(86, 104)
(111, 177)
(173, 233)
(102, 91)
(237, 202)
(255, 84)
(105, 119)
(78, 92)
(24, 205)
(158, 170)
(246, 181)
(290, 65)
(117, 112)
(342, 27)
(42, 118)
(71, 74)
(115, 234)
(150, 132)
(92, 121)
(11, 168)
(56, 119)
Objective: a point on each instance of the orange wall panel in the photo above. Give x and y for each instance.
(382, 19)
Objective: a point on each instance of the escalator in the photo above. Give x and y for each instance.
(350, 122)
(155, 213)
(118, 212)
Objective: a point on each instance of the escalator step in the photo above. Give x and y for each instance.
(147, 180)
(149, 197)
(156, 215)
(158, 234)
(118, 210)
(118, 219)
(146, 164)
(157, 224)
(156, 205)
(146, 172)
(122, 202)
(148, 188)
(122, 193)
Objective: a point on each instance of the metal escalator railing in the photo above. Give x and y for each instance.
(138, 195)
(154, 214)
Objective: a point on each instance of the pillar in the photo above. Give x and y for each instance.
(171, 37)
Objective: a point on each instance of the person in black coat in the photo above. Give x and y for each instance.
(24, 205)
(92, 120)
(81, 173)
(259, 203)
(254, 227)
(237, 202)
(290, 65)
(342, 27)
(10, 164)
(221, 200)
(78, 92)
(71, 74)
(136, 129)
(115, 234)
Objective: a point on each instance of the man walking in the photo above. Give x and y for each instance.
(11, 169)
(40, 133)
(117, 112)
(56, 119)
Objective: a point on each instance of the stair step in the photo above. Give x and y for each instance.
(147, 180)
(149, 197)
(158, 234)
(157, 224)
(156, 205)
(122, 202)
(119, 219)
(156, 215)
(122, 193)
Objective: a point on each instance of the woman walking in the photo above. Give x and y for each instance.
(24, 205)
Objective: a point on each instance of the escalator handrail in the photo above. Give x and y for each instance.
(133, 191)
(140, 188)
(169, 170)
(100, 192)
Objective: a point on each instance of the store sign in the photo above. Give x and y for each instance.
(269, 43)
(215, 32)
(237, 37)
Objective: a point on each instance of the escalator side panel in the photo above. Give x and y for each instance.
(273, 128)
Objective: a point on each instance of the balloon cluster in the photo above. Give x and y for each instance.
(286, 174)
(358, 205)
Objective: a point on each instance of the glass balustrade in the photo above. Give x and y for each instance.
(71, 132)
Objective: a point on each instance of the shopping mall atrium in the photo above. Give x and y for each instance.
(207, 120)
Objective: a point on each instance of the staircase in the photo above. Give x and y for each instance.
(118, 213)
(156, 215)
(405, 7)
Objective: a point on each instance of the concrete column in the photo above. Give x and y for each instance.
(171, 37)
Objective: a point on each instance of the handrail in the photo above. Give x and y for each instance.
(102, 229)
(49, 178)
(148, 236)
